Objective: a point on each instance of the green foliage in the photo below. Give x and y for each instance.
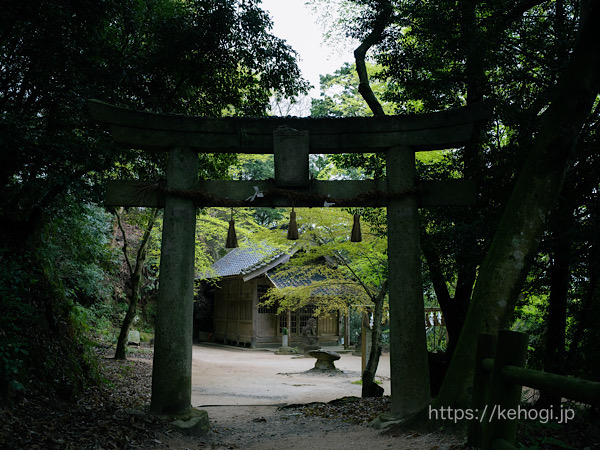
(201, 57)
(257, 167)
(11, 363)
(253, 167)
(45, 341)
(211, 233)
(437, 55)
(337, 273)
(13, 281)
(339, 95)
(74, 244)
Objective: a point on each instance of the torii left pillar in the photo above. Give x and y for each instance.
(172, 369)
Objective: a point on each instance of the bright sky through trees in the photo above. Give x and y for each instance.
(296, 23)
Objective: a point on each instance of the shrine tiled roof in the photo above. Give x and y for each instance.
(254, 260)
(244, 261)
(307, 277)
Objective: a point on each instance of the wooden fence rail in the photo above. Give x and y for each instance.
(499, 378)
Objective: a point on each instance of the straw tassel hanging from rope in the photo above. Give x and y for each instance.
(292, 233)
(356, 235)
(231, 236)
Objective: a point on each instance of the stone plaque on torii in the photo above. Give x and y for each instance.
(291, 140)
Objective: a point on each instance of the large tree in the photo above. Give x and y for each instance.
(206, 57)
(531, 204)
(445, 54)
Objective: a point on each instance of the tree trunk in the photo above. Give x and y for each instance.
(556, 323)
(454, 308)
(115, 227)
(587, 329)
(136, 282)
(525, 216)
(384, 15)
(369, 387)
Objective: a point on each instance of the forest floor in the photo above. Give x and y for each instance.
(114, 414)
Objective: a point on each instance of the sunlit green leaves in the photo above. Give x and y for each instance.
(333, 273)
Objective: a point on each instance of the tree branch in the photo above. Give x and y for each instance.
(129, 266)
(504, 19)
(364, 87)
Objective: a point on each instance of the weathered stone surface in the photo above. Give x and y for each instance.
(431, 131)
(355, 192)
(325, 359)
(172, 368)
(197, 425)
(134, 338)
(384, 421)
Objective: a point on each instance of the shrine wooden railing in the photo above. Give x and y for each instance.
(499, 378)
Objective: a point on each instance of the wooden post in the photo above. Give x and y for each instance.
(504, 397)
(363, 342)
(408, 345)
(347, 330)
(486, 345)
(172, 369)
(255, 301)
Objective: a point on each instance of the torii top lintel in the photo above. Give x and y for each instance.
(152, 131)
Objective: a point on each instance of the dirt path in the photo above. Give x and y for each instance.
(233, 376)
(241, 389)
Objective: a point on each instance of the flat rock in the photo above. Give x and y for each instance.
(325, 355)
(325, 359)
(286, 351)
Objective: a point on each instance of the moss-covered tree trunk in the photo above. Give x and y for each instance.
(526, 215)
(135, 273)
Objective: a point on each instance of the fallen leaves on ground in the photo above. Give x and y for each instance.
(112, 415)
(355, 410)
(115, 415)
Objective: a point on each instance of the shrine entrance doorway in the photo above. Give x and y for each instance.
(291, 140)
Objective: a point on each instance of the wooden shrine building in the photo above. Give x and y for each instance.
(243, 277)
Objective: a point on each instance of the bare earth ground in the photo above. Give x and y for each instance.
(242, 390)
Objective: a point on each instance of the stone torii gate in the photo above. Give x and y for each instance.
(291, 140)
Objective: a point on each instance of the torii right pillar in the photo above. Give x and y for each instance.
(408, 345)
